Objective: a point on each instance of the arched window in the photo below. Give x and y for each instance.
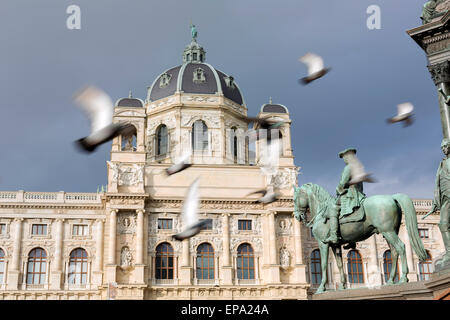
(199, 136)
(316, 271)
(164, 261)
(161, 140)
(425, 270)
(245, 262)
(205, 261)
(355, 267)
(387, 266)
(78, 266)
(2, 265)
(37, 266)
(128, 141)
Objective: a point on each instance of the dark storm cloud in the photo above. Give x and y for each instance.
(125, 45)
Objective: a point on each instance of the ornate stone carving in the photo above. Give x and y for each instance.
(127, 223)
(199, 99)
(126, 258)
(162, 103)
(129, 113)
(127, 175)
(284, 225)
(284, 179)
(235, 106)
(437, 43)
(285, 258)
(212, 120)
(164, 80)
(440, 72)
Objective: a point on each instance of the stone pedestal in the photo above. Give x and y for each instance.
(227, 275)
(56, 278)
(139, 273)
(300, 273)
(13, 280)
(111, 273)
(185, 275)
(97, 277)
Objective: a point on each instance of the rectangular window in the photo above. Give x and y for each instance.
(164, 224)
(423, 233)
(2, 228)
(245, 224)
(208, 225)
(80, 230)
(39, 229)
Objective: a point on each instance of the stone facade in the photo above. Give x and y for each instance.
(121, 229)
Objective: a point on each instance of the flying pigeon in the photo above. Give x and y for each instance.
(264, 124)
(267, 196)
(99, 108)
(315, 66)
(189, 215)
(180, 165)
(357, 171)
(404, 113)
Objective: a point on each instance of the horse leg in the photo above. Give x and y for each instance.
(337, 251)
(393, 272)
(393, 239)
(323, 247)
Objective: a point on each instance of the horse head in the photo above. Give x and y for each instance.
(300, 203)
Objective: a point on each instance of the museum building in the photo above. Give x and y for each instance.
(118, 244)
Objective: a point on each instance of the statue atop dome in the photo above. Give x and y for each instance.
(434, 8)
(194, 32)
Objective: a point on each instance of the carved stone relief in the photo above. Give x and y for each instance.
(127, 223)
(284, 179)
(126, 258)
(127, 175)
(284, 226)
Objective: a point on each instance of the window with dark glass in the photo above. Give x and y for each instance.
(205, 261)
(423, 233)
(164, 224)
(162, 140)
(164, 261)
(316, 270)
(37, 266)
(387, 266)
(2, 228)
(245, 262)
(80, 230)
(208, 225)
(355, 267)
(199, 136)
(2, 265)
(39, 229)
(194, 56)
(244, 224)
(78, 266)
(425, 268)
(233, 142)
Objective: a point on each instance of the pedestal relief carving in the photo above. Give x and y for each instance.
(285, 178)
(127, 175)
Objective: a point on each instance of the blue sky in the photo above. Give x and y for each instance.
(125, 45)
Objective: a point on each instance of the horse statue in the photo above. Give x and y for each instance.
(382, 214)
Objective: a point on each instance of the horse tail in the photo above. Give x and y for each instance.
(407, 207)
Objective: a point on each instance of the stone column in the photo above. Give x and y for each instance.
(98, 266)
(299, 266)
(440, 73)
(14, 271)
(373, 272)
(111, 266)
(139, 266)
(56, 274)
(227, 269)
(185, 268)
(274, 267)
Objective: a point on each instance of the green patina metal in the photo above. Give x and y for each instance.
(383, 214)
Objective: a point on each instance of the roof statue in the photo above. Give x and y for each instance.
(194, 32)
(433, 9)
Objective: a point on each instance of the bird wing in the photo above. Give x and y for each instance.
(271, 157)
(190, 205)
(404, 108)
(313, 61)
(97, 105)
(184, 157)
(356, 167)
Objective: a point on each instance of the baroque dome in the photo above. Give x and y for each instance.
(194, 76)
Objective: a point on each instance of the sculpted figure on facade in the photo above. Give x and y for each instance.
(285, 257)
(126, 258)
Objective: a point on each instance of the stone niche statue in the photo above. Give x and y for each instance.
(126, 258)
(285, 258)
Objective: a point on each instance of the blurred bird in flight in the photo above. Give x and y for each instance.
(315, 66)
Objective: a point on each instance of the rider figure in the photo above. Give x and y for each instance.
(348, 198)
